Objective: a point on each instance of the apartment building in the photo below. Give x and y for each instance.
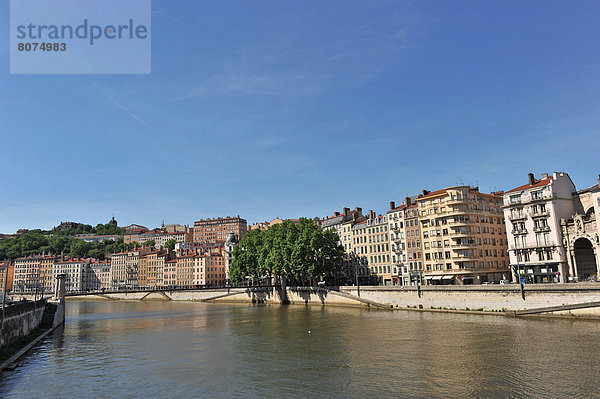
(185, 270)
(414, 253)
(7, 274)
(46, 266)
(97, 276)
(463, 236)
(378, 245)
(74, 270)
(170, 273)
(533, 214)
(27, 274)
(125, 269)
(151, 268)
(213, 230)
(359, 255)
(342, 223)
(395, 217)
(209, 269)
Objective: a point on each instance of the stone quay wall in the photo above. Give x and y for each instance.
(491, 298)
(20, 320)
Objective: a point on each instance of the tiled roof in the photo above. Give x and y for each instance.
(537, 183)
(432, 194)
(397, 208)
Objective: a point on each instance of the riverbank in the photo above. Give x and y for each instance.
(556, 300)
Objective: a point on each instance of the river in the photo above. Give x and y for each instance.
(118, 349)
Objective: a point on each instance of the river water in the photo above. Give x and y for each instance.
(118, 349)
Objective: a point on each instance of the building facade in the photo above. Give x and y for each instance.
(7, 273)
(75, 272)
(97, 276)
(533, 214)
(395, 217)
(463, 236)
(218, 229)
(27, 277)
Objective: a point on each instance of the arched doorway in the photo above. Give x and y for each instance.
(585, 259)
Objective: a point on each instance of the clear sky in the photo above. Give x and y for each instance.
(299, 108)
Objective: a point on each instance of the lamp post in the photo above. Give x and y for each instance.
(518, 270)
(356, 277)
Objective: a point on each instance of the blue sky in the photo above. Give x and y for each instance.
(299, 108)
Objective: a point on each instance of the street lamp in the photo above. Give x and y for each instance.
(518, 272)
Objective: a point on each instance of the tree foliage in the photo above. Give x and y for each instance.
(149, 243)
(296, 251)
(170, 243)
(56, 242)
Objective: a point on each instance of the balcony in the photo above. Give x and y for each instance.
(529, 245)
(457, 234)
(518, 231)
(538, 198)
(455, 201)
(541, 229)
(539, 214)
(517, 216)
(457, 246)
(461, 222)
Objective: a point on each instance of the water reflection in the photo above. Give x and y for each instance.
(179, 349)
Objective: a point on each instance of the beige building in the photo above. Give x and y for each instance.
(378, 246)
(533, 214)
(27, 274)
(125, 269)
(97, 276)
(342, 223)
(74, 270)
(395, 217)
(463, 236)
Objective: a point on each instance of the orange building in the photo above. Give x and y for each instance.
(152, 267)
(46, 265)
(4, 267)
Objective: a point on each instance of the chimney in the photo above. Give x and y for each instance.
(599, 180)
(392, 205)
(425, 192)
(531, 179)
(371, 214)
(407, 201)
(346, 210)
(359, 210)
(336, 214)
(544, 175)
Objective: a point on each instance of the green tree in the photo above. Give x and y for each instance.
(149, 243)
(170, 244)
(80, 248)
(287, 250)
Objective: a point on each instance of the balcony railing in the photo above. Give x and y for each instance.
(539, 214)
(541, 229)
(518, 231)
(528, 245)
(517, 216)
